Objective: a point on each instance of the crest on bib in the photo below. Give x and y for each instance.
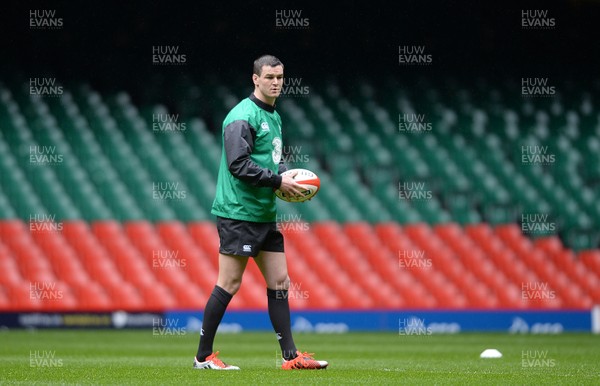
(276, 149)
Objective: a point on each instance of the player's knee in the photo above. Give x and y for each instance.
(282, 283)
(231, 284)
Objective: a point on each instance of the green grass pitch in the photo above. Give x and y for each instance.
(139, 357)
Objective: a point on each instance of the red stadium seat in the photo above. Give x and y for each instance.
(157, 297)
(319, 294)
(5, 302)
(106, 230)
(107, 266)
(92, 297)
(9, 271)
(205, 236)
(10, 229)
(591, 259)
(124, 296)
(22, 298)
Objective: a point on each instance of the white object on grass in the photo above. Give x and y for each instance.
(491, 353)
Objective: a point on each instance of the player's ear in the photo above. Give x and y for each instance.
(255, 79)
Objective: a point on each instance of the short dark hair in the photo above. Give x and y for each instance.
(265, 60)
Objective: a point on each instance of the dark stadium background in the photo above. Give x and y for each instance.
(109, 43)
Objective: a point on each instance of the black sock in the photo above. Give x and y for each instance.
(213, 313)
(279, 313)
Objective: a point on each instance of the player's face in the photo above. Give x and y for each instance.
(269, 83)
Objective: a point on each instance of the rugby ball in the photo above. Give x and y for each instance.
(309, 181)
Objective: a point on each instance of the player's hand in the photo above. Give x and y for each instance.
(290, 187)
